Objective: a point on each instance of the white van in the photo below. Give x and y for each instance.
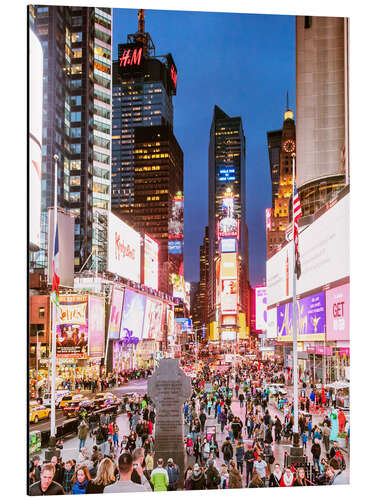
(59, 396)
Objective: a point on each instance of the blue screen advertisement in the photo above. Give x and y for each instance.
(132, 314)
(175, 247)
(228, 245)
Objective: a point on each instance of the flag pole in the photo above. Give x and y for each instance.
(54, 318)
(295, 362)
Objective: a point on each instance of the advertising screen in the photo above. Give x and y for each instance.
(72, 327)
(153, 317)
(228, 225)
(338, 313)
(272, 323)
(66, 247)
(261, 308)
(132, 315)
(324, 252)
(35, 138)
(115, 313)
(175, 247)
(311, 320)
(268, 219)
(229, 296)
(124, 245)
(228, 266)
(151, 263)
(186, 324)
(96, 326)
(228, 335)
(228, 245)
(178, 286)
(176, 220)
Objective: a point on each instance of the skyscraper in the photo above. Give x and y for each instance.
(77, 46)
(321, 109)
(147, 161)
(281, 146)
(227, 174)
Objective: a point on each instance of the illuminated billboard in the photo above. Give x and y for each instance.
(186, 324)
(124, 246)
(311, 319)
(35, 138)
(72, 327)
(178, 286)
(170, 322)
(261, 308)
(228, 245)
(153, 319)
(228, 225)
(151, 262)
(96, 326)
(228, 335)
(176, 219)
(268, 219)
(338, 313)
(228, 267)
(175, 247)
(132, 315)
(115, 313)
(66, 246)
(229, 293)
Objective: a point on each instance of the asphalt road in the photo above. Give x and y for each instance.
(139, 386)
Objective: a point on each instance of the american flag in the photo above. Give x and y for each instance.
(297, 214)
(55, 270)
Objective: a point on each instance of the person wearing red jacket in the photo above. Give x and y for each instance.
(287, 479)
(149, 427)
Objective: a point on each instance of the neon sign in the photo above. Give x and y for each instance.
(226, 174)
(131, 58)
(174, 76)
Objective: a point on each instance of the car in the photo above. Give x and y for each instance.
(71, 398)
(38, 413)
(59, 395)
(75, 408)
(277, 389)
(103, 399)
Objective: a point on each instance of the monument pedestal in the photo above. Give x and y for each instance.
(169, 388)
(295, 455)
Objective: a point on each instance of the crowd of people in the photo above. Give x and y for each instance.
(245, 458)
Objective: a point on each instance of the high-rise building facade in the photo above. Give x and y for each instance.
(227, 202)
(281, 147)
(322, 109)
(77, 50)
(147, 161)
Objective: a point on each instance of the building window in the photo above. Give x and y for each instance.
(77, 37)
(308, 22)
(41, 312)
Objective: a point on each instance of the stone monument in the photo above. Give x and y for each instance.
(169, 388)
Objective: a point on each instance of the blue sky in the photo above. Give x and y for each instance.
(244, 63)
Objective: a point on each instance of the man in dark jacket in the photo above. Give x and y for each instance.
(212, 476)
(249, 458)
(173, 472)
(202, 419)
(35, 469)
(227, 450)
(278, 427)
(46, 485)
(198, 479)
(316, 451)
(59, 471)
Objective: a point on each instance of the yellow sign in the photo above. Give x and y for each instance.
(243, 330)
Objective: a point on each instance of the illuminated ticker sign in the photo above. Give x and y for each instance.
(227, 174)
(131, 57)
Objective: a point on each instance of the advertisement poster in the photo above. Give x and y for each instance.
(151, 263)
(338, 313)
(175, 247)
(115, 313)
(132, 315)
(170, 322)
(72, 327)
(186, 324)
(229, 266)
(261, 308)
(178, 285)
(311, 321)
(228, 245)
(176, 220)
(229, 296)
(96, 326)
(153, 317)
(124, 244)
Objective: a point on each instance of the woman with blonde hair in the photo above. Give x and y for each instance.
(256, 481)
(80, 480)
(300, 477)
(104, 477)
(235, 480)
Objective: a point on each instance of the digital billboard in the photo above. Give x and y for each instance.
(261, 308)
(151, 262)
(124, 245)
(178, 286)
(324, 253)
(72, 327)
(35, 138)
(176, 219)
(175, 247)
(228, 335)
(229, 294)
(228, 225)
(186, 323)
(272, 323)
(228, 267)
(311, 319)
(228, 245)
(65, 224)
(268, 219)
(338, 313)
(132, 315)
(115, 313)
(153, 319)
(96, 326)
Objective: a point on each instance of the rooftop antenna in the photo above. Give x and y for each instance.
(141, 21)
(287, 100)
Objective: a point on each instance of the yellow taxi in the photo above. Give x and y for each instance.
(71, 398)
(38, 412)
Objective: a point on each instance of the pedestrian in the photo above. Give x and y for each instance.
(46, 485)
(304, 440)
(300, 478)
(275, 477)
(256, 481)
(326, 433)
(260, 466)
(80, 480)
(68, 476)
(316, 451)
(197, 448)
(34, 471)
(105, 476)
(212, 476)
(235, 480)
(83, 430)
(138, 475)
(227, 450)
(59, 470)
(240, 452)
(205, 449)
(124, 484)
(159, 477)
(188, 474)
(198, 479)
(224, 481)
(173, 472)
(149, 461)
(287, 479)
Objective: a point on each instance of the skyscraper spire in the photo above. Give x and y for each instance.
(288, 113)
(141, 21)
(287, 100)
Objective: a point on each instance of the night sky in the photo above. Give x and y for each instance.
(245, 64)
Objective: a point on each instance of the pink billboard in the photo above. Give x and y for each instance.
(152, 320)
(96, 326)
(337, 313)
(115, 313)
